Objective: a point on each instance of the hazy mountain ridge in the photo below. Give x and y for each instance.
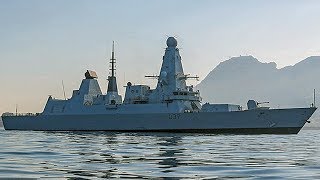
(242, 78)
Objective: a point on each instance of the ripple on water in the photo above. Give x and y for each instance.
(167, 155)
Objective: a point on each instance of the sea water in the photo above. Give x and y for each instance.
(36, 154)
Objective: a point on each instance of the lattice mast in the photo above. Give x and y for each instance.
(112, 84)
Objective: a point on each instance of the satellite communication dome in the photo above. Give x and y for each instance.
(172, 42)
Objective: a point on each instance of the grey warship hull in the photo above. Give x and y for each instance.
(172, 106)
(275, 121)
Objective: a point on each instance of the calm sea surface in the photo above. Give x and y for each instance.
(30, 154)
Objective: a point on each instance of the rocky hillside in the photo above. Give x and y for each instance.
(242, 78)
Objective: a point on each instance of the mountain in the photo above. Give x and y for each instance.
(242, 78)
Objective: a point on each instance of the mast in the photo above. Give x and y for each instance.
(64, 92)
(112, 84)
(112, 61)
(314, 97)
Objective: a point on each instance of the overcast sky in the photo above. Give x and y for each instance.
(43, 42)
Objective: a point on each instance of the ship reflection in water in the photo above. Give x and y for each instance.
(154, 155)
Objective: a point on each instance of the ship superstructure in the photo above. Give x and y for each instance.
(171, 106)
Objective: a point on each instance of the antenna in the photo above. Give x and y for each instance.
(64, 92)
(187, 76)
(152, 76)
(16, 109)
(112, 61)
(112, 83)
(314, 97)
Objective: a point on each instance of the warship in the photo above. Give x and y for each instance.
(171, 107)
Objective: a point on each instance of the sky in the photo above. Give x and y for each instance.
(43, 43)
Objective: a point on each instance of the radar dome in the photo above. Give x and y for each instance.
(172, 42)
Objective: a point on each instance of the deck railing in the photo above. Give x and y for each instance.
(20, 114)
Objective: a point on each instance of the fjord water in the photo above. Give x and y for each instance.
(30, 154)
